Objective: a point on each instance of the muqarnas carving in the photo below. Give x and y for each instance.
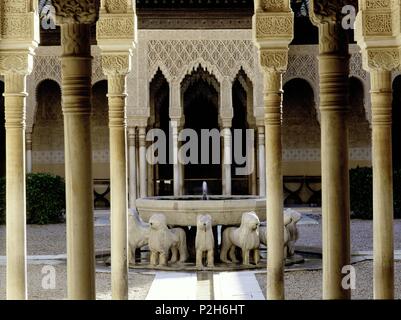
(163, 240)
(204, 241)
(246, 237)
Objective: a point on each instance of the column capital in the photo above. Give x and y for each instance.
(327, 16)
(273, 31)
(116, 64)
(16, 62)
(377, 34)
(75, 11)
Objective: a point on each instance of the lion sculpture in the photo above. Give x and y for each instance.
(245, 237)
(291, 235)
(162, 240)
(138, 234)
(204, 241)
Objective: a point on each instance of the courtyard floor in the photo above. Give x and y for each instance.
(46, 246)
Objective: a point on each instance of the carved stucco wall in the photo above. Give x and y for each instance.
(222, 53)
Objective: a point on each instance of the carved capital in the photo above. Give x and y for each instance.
(328, 16)
(76, 11)
(271, 5)
(116, 64)
(385, 59)
(16, 63)
(116, 26)
(274, 59)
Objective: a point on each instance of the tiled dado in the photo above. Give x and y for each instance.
(57, 157)
(355, 154)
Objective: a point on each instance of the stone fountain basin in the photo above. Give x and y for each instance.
(182, 211)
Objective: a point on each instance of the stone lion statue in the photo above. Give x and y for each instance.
(291, 218)
(204, 241)
(138, 234)
(245, 237)
(162, 240)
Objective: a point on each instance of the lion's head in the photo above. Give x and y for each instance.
(250, 221)
(158, 222)
(204, 222)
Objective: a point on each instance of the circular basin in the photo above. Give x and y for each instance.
(182, 211)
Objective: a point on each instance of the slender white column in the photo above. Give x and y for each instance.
(181, 172)
(176, 165)
(132, 167)
(76, 83)
(15, 99)
(227, 160)
(142, 162)
(118, 178)
(383, 214)
(28, 143)
(262, 162)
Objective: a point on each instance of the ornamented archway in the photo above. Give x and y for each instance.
(159, 118)
(200, 92)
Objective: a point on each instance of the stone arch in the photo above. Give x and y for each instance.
(301, 129)
(247, 84)
(359, 127)
(159, 93)
(207, 66)
(315, 87)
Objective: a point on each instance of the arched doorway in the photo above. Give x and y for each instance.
(359, 129)
(160, 119)
(243, 120)
(2, 133)
(301, 144)
(200, 92)
(397, 123)
(48, 132)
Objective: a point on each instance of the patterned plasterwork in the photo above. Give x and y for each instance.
(222, 53)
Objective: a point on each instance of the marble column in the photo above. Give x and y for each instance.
(176, 164)
(261, 161)
(227, 159)
(132, 167)
(142, 162)
(15, 109)
(28, 143)
(181, 169)
(118, 183)
(383, 232)
(76, 101)
(333, 74)
(274, 184)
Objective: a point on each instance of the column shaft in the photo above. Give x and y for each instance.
(262, 162)
(227, 160)
(132, 168)
(118, 180)
(383, 214)
(15, 99)
(334, 68)
(274, 185)
(76, 83)
(28, 144)
(142, 162)
(176, 165)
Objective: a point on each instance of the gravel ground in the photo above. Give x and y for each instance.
(361, 235)
(301, 285)
(139, 284)
(51, 239)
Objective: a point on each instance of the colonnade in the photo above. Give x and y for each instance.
(273, 31)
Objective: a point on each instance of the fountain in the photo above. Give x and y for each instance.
(183, 210)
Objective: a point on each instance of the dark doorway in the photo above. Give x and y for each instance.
(397, 123)
(201, 112)
(160, 119)
(2, 134)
